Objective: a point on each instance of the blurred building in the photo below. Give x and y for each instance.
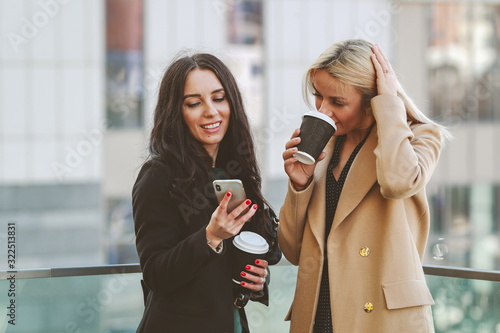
(447, 56)
(78, 83)
(51, 130)
(460, 80)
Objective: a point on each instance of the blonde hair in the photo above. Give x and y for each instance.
(349, 61)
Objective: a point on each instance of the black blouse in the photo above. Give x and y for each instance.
(323, 320)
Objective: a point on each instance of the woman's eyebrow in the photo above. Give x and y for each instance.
(340, 98)
(198, 95)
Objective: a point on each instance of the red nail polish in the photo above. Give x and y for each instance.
(255, 207)
(228, 194)
(243, 274)
(248, 202)
(243, 283)
(248, 268)
(257, 262)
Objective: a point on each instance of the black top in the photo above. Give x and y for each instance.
(190, 284)
(323, 320)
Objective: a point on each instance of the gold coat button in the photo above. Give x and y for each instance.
(368, 307)
(364, 251)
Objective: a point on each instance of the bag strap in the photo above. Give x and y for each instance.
(241, 300)
(275, 223)
(273, 217)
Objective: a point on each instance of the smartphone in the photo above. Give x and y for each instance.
(235, 186)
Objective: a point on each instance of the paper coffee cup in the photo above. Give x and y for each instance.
(247, 247)
(315, 132)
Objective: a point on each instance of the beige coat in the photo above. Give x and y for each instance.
(378, 236)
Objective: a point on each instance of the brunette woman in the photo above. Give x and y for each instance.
(200, 133)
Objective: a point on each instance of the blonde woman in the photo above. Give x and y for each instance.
(356, 222)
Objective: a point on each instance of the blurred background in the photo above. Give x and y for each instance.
(79, 80)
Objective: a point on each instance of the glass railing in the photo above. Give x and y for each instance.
(109, 299)
(76, 300)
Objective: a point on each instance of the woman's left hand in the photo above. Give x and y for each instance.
(257, 274)
(387, 83)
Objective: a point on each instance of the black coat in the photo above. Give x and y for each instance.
(190, 287)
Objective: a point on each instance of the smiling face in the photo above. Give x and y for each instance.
(341, 102)
(205, 109)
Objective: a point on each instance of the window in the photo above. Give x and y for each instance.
(465, 226)
(124, 63)
(464, 62)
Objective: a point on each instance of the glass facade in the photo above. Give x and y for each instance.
(51, 131)
(465, 226)
(464, 58)
(463, 54)
(78, 82)
(124, 64)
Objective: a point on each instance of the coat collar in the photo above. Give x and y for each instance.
(360, 179)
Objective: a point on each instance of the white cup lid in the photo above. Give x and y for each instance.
(251, 242)
(322, 116)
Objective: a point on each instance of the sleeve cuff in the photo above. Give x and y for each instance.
(217, 249)
(307, 189)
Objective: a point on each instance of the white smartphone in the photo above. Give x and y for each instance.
(235, 186)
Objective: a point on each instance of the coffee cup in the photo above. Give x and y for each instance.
(315, 132)
(247, 247)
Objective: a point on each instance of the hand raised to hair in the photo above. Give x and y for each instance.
(387, 83)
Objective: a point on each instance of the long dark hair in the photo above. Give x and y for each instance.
(172, 141)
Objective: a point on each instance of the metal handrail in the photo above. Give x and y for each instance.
(462, 273)
(456, 272)
(70, 271)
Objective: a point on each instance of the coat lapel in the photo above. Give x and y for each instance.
(316, 209)
(360, 179)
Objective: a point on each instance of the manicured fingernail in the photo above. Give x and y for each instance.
(255, 207)
(242, 283)
(257, 262)
(243, 274)
(248, 202)
(248, 268)
(228, 194)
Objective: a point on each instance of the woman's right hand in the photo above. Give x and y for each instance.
(299, 173)
(224, 225)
